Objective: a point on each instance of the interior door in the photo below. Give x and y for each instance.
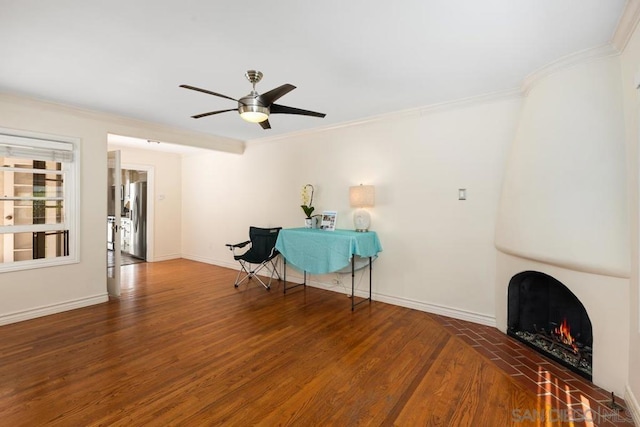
(114, 209)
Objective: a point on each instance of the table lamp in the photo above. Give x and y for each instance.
(362, 196)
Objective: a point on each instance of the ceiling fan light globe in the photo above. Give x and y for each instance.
(254, 117)
(254, 113)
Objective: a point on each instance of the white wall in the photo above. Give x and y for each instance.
(564, 199)
(76, 284)
(630, 61)
(438, 253)
(37, 292)
(165, 199)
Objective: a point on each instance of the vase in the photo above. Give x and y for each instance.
(308, 223)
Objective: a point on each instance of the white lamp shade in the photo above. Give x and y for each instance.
(362, 196)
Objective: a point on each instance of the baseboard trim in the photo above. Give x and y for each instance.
(441, 310)
(345, 288)
(233, 265)
(632, 405)
(226, 264)
(20, 316)
(165, 257)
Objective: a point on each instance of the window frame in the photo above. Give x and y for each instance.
(71, 198)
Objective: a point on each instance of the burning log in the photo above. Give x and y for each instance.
(563, 334)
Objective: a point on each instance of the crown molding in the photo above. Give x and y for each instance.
(626, 25)
(565, 62)
(411, 112)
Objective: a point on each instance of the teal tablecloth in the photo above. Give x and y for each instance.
(320, 251)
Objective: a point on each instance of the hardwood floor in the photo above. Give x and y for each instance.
(182, 346)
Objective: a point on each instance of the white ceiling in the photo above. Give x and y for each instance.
(349, 59)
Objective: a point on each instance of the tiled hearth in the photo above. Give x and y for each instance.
(561, 390)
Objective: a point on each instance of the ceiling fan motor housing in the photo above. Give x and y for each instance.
(252, 109)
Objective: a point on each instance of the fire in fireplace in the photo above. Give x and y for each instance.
(544, 314)
(563, 334)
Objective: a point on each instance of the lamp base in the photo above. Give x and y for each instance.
(361, 220)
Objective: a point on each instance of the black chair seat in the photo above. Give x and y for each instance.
(255, 258)
(261, 253)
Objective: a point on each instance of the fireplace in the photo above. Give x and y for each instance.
(544, 314)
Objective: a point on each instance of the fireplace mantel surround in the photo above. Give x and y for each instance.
(563, 209)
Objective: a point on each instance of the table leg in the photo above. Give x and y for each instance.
(353, 295)
(353, 276)
(370, 275)
(284, 286)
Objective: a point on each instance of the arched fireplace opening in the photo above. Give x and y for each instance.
(544, 314)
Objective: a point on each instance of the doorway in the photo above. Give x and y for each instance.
(136, 215)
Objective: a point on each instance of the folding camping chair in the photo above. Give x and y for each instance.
(262, 253)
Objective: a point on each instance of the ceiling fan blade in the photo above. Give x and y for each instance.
(283, 109)
(273, 95)
(211, 113)
(265, 124)
(208, 92)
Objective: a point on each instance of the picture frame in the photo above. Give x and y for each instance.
(329, 220)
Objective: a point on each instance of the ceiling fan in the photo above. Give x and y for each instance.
(255, 108)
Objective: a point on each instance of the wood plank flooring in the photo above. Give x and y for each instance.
(182, 346)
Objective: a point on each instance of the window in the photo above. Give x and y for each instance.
(38, 204)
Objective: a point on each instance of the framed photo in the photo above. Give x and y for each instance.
(329, 220)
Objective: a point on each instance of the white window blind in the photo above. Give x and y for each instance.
(35, 149)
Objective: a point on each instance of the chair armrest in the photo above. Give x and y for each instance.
(238, 245)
